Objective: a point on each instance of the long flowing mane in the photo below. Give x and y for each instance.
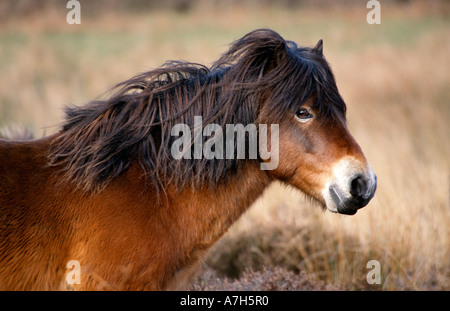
(260, 74)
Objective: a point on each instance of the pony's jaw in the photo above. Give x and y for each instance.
(351, 186)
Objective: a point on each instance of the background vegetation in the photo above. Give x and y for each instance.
(394, 77)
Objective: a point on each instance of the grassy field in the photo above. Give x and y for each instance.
(395, 80)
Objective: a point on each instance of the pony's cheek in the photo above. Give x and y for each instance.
(306, 172)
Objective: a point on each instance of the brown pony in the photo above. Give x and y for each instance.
(106, 192)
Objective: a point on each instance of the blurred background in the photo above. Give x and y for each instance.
(394, 77)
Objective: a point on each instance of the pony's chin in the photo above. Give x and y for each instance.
(341, 210)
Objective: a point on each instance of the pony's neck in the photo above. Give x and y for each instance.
(206, 214)
(232, 197)
(173, 233)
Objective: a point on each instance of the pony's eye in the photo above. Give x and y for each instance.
(303, 115)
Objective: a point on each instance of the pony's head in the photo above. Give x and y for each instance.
(317, 153)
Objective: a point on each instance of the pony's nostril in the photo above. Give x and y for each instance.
(358, 187)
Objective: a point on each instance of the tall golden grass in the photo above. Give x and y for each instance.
(394, 78)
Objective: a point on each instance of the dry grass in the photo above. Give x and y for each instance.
(269, 278)
(393, 76)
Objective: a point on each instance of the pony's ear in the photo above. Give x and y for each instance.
(319, 47)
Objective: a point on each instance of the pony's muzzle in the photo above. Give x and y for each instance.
(362, 191)
(351, 188)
